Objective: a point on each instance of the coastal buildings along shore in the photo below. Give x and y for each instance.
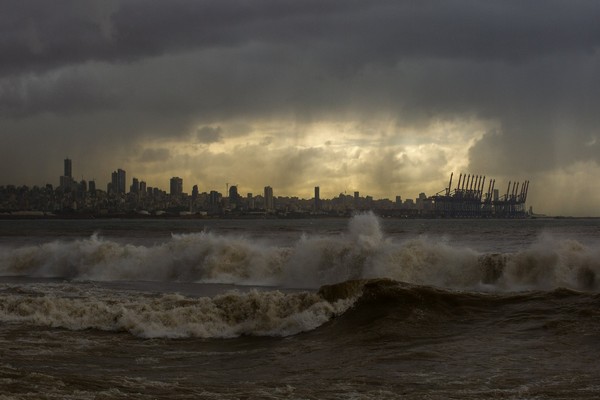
(470, 198)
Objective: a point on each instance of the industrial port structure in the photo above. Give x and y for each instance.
(470, 199)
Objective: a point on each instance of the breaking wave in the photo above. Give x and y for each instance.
(363, 252)
(357, 310)
(233, 314)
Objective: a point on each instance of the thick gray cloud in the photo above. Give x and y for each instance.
(209, 134)
(115, 80)
(39, 34)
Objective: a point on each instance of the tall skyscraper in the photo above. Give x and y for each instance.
(66, 180)
(234, 196)
(176, 185)
(68, 168)
(122, 181)
(213, 198)
(118, 181)
(269, 205)
(135, 186)
(317, 199)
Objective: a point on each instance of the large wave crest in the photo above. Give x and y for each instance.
(314, 260)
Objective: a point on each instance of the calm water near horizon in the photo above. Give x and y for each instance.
(360, 308)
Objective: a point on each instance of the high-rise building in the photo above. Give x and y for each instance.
(66, 180)
(118, 181)
(135, 186)
(92, 187)
(269, 204)
(317, 199)
(122, 181)
(234, 196)
(176, 186)
(68, 168)
(213, 198)
(142, 188)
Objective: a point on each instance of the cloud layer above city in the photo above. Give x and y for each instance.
(384, 97)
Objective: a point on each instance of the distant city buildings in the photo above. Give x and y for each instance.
(83, 197)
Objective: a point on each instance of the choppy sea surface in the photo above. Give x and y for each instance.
(358, 308)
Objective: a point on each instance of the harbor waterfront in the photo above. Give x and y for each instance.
(363, 308)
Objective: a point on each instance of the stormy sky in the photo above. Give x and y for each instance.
(384, 97)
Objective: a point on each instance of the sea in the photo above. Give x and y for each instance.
(348, 308)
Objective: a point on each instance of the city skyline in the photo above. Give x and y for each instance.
(467, 198)
(384, 97)
(119, 184)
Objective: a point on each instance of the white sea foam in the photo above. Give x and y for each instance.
(314, 260)
(257, 313)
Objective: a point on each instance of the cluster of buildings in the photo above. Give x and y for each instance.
(82, 198)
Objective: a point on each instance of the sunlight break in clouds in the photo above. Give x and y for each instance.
(382, 159)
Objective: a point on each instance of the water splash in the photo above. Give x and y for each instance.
(313, 260)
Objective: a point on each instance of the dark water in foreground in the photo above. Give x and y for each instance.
(340, 309)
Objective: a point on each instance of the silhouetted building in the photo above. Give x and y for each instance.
(317, 204)
(269, 204)
(118, 181)
(68, 168)
(234, 197)
(176, 186)
(66, 180)
(214, 198)
(135, 186)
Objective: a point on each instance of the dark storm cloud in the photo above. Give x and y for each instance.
(41, 34)
(61, 94)
(209, 134)
(155, 155)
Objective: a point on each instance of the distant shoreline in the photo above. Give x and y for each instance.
(167, 216)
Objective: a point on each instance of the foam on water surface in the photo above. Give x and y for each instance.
(363, 251)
